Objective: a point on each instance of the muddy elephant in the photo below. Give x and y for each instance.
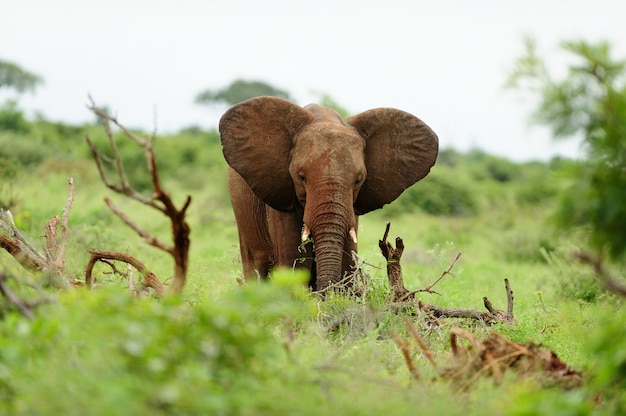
(300, 173)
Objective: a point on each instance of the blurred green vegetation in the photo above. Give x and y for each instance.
(588, 104)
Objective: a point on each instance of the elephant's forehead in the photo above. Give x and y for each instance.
(328, 144)
(331, 135)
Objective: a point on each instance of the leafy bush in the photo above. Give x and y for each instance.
(443, 192)
(608, 344)
(105, 352)
(12, 118)
(573, 280)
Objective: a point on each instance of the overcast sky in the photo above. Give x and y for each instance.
(444, 61)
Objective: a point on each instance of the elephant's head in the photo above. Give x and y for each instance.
(292, 155)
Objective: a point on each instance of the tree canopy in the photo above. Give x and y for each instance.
(15, 77)
(589, 102)
(238, 91)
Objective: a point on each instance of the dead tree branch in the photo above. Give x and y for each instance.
(448, 271)
(160, 200)
(404, 298)
(394, 269)
(150, 279)
(52, 260)
(18, 246)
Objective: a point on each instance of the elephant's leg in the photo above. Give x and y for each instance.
(254, 237)
(286, 231)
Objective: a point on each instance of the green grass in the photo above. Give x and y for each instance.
(274, 349)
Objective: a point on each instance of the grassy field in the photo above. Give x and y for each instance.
(276, 349)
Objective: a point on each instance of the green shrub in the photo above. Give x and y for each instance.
(443, 192)
(105, 352)
(608, 344)
(573, 280)
(12, 118)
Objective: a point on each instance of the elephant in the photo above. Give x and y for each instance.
(297, 173)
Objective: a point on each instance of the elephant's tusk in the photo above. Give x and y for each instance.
(305, 233)
(353, 235)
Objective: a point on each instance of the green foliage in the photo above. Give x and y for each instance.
(608, 345)
(238, 91)
(572, 280)
(12, 118)
(137, 356)
(443, 192)
(14, 76)
(8, 173)
(589, 102)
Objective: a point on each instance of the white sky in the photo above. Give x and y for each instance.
(443, 60)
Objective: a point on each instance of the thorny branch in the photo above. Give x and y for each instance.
(150, 239)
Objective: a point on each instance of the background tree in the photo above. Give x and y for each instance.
(238, 91)
(588, 103)
(17, 78)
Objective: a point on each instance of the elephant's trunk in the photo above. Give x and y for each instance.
(329, 222)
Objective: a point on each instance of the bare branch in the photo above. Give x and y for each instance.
(394, 269)
(445, 272)
(99, 255)
(160, 199)
(150, 239)
(18, 246)
(404, 298)
(50, 233)
(60, 259)
(509, 300)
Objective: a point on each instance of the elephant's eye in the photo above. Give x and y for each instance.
(302, 177)
(358, 180)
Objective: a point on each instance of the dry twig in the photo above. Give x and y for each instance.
(406, 353)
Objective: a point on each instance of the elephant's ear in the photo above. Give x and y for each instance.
(400, 149)
(257, 137)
